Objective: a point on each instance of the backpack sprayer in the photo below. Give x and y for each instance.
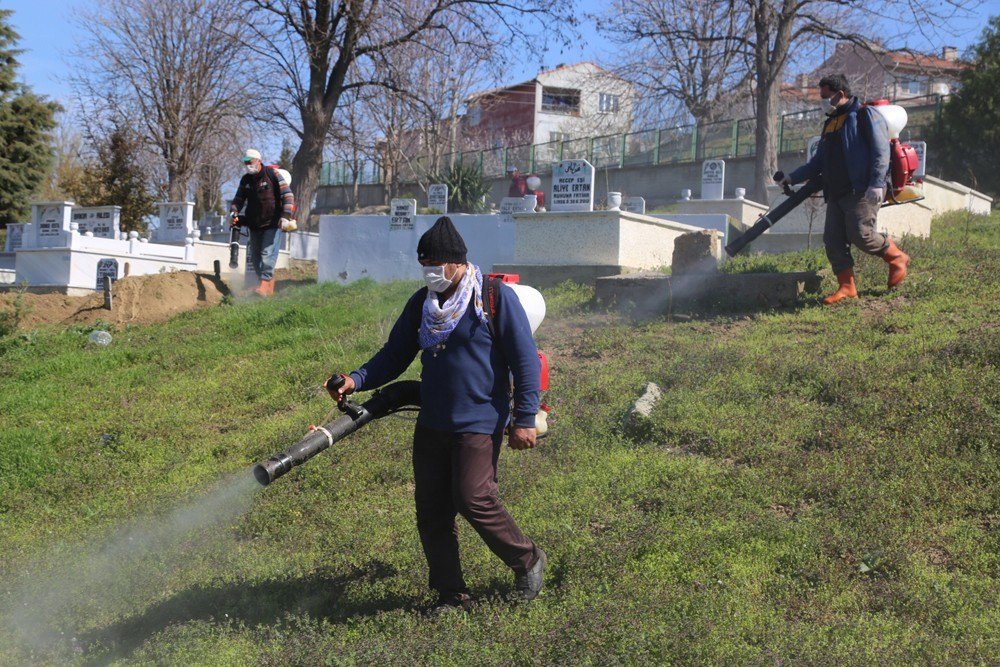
(901, 186)
(234, 235)
(392, 398)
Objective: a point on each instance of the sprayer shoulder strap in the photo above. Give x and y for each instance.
(491, 302)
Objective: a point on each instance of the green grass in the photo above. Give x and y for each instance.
(819, 486)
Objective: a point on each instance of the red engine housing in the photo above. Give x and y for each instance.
(903, 163)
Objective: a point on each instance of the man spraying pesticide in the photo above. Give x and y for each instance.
(860, 165)
(270, 207)
(474, 334)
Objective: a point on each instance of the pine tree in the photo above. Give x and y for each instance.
(26, 122)
(969, 133)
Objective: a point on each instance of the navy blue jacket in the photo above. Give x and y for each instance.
(465, 387)
(865, 138)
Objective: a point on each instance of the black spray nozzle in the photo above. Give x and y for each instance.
(389, 399)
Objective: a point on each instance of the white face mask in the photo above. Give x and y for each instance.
(435, 278)
(252, 168)
(828, 106)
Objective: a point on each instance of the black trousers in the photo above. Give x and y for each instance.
(456, 473)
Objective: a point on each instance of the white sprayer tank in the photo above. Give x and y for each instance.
(533, 303)
(895, 117)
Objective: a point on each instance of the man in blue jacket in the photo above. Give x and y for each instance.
(465, 406)
(853, 159)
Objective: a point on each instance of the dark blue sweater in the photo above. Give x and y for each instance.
(864, 142)
(465, 387)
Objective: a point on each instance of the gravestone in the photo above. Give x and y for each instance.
(106, 267)
(696, 252)
(50, 224)
(713, 179)
(572, 186)
(921, 148)
(402, 213)
(509, 206)
(634, 205)
(437, 197)
(103, 221)
(15, 237)
(176, 221)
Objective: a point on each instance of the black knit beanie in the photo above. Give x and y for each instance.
(442, 243)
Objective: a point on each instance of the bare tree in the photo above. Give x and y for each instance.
(686, 50)
(313, 46)
(167, 70)
(771, 34)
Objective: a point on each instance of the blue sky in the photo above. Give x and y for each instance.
(49, 34)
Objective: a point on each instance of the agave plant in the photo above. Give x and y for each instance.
(467, 193)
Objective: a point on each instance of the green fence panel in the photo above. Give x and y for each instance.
(576, 149)
(676, 144)
(715, 140)
(607, 151)
(640, 148)
(546, 155)
(797, 128)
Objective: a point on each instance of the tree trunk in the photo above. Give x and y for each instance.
(307, 163)
(766, 141)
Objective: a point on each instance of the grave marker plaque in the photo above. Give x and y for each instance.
(713, 179)
(107, 266)
(635, 205)
(573, 186)
(437, 197)
(15, 237)
(176, 221)
(921, 148)
(509, 206)
(101, 220)
(402, 213)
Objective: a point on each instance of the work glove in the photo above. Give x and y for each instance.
(288, 225)
(234, 219)
(785, 182)
(874, 195)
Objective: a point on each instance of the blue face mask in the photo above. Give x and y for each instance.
(435, 278)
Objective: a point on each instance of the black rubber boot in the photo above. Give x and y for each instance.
(529, 584)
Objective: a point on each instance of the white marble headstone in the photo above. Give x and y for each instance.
(713, 179)
(402, 213)
(103, 221)
(50, 224)
(634, 205)
(15, 236)
(572, 186)
(437, 197)
(107, 266)
(176, 221)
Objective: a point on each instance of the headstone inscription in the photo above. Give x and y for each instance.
(572, 186)
(437, 197)
(106, 266)
(713, 179)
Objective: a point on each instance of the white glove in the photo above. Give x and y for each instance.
(288, 225)
(785, 181)
(874, 195)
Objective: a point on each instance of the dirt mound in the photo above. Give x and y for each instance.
(136, 300)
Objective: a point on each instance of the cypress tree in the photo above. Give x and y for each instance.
(26, 121)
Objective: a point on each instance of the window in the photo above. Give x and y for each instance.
(558, 136)
(912, 87)
(561, 100)
(608, 103)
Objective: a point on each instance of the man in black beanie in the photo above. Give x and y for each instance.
(465, 407)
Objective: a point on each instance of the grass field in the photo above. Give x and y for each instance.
(819, 486)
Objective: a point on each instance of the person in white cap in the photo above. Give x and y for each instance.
(270, 208)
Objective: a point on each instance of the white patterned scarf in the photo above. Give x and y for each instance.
(437, 323)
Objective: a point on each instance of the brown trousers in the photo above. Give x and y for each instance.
(456, 473)
(851, 220)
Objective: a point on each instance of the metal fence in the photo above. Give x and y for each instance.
(669, 145)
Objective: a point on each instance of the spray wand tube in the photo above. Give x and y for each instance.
(234, 244)
(385, 401)
(768, 220)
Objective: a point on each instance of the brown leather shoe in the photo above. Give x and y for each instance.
(848, 290)
(897, 261)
